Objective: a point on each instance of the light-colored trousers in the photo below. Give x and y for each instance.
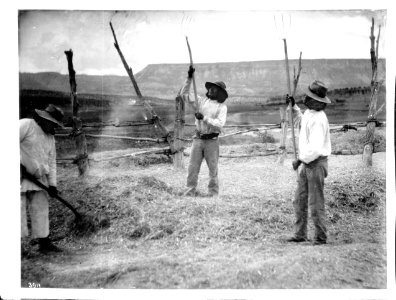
(37, 204)
(208, 149)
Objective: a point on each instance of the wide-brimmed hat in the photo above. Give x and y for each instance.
(219, 84)
(317, 90)
(51, 113)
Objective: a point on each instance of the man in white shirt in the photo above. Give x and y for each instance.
(210, 118)
(314, 148)
(38, 157)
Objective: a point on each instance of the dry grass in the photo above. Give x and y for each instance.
(354, 140)
(159, 239)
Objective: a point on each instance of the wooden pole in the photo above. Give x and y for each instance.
(161, 140)
(296, 78)
(151, 151)
(178, 145)
(193, 78)
(290, 105)
(283, 114)
(126, 66)
(155, 117)
(287, 67)
(267, 126)
(194, 84)
(284, 125)
(77, 132)
(375, 86)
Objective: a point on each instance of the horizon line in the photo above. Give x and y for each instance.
(205, 63)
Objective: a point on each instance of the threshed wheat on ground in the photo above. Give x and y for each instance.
(158, 239)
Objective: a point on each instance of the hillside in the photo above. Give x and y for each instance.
(258, 78)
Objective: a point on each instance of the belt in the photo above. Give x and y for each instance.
(314, 162)
(208, 136)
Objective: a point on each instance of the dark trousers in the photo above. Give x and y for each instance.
(310, 194)
(208, 149)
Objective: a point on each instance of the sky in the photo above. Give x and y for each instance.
(158, 36)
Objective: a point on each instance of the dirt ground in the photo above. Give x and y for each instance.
(158, 239)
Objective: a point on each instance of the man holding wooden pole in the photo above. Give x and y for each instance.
(210, 117)
(314, 148)
(38, 157)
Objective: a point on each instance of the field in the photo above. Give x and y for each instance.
(345, 107)
(158, 239)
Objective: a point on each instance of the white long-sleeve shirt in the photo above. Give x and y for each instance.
(37, 154)
(215, 113)
(314, 138)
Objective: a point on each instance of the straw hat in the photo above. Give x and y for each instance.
(51, 113)
(219, 84)
(317, 90)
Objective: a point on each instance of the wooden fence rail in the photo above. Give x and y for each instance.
(167, 150)
(333, 128)
(243, 125)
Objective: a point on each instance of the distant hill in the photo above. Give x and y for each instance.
(86, 84)
(262, 79)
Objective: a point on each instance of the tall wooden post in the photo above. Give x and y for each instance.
(81, 158)
(284, 124)
(178, 147)
(284, 116)
(289, 90)
(375, 86)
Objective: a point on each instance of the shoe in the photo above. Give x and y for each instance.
(46, 246)
(212, 194)
(319, 242)
(297, 239)
(24, 252)
(190, 192)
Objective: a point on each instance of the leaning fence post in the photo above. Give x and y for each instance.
(147, 106)
(81, 158)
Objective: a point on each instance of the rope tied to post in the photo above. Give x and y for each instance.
(80, 158)
(372, 119)
(180, 120)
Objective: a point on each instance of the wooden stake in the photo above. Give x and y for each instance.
(375, 86)
(178, 145)
(79, 136)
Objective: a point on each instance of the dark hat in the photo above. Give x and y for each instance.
(219, 84)
(317, 90)
(51, 113)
